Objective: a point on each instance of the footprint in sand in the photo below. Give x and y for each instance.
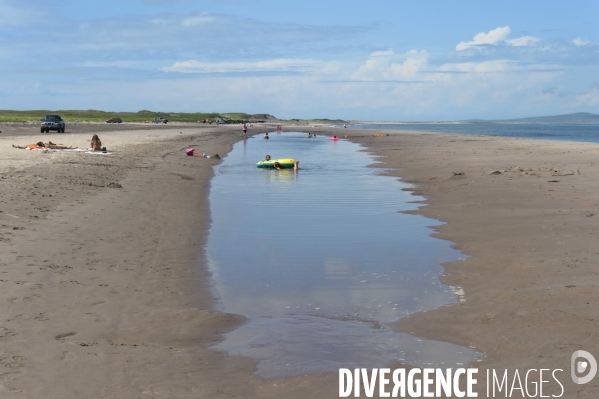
(16, 362)
(11, 375)
(66, 355)
(6, 334)
(12, 361)
(97, 317)
(60, 337)
(62, 269)
(26, 299)
(43, 317)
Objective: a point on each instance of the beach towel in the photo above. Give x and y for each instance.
(55, 149)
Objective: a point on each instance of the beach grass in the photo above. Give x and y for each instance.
(93, 115)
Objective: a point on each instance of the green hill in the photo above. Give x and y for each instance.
(576, 118)
(92, 115)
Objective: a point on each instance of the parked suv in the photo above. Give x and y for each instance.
(160, 120)
(52, 122)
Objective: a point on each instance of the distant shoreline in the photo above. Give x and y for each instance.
(471, 123)
(96, 116)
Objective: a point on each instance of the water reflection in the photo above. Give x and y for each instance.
(320, 260)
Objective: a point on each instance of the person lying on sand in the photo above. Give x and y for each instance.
(40, 145)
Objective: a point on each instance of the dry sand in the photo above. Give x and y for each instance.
(102, 295)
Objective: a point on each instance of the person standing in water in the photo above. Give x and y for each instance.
(266, 136)
(245, 131)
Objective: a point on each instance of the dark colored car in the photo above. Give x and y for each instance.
(160, 120)
(52, 122)
(114, 120)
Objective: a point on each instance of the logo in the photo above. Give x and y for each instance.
(580, 366)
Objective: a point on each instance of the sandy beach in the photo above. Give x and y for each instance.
(525, 212)
(105, 292)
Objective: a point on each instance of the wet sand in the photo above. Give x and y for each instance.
(525, 212)
(103, 297)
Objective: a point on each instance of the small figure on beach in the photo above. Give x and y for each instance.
(266, 136)
(40, 145)
(245, 131)
(95, 144)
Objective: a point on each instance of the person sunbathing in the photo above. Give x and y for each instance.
(96, 144)
(40, 145)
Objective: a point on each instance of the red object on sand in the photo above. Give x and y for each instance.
(189, 152)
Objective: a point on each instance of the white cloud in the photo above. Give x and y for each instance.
(282, 64)
(15, 14)
(386, 65)
(479, 67)
(383, 53)
(578, 42)
(202, 19)
(496, 36)
(590, 97)
(107, 64)
(522, 41)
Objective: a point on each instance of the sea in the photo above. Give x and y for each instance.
(564, 132)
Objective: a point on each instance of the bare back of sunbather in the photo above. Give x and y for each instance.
(42, 146)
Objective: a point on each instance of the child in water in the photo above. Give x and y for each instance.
(277, 165)
(295, 166)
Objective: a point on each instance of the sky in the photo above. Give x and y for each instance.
(390, 60)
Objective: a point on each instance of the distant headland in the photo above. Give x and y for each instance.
(575, 118)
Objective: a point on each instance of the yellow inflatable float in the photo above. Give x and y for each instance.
(286, 163)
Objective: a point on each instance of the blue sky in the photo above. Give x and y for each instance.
(377, 59)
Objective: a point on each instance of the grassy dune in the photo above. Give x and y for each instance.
(101, 116)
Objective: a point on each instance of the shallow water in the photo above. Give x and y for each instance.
(320, 261)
